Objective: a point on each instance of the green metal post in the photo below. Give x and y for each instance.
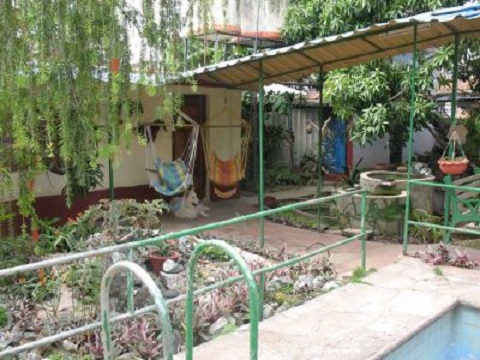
(163, 317)
(130, 306)
(453, 122)
(363, 239)
(320, 143)
(261, 185)
(410, 137)
(261, 188)
(453, 110)
(111, 183)
(261, 295)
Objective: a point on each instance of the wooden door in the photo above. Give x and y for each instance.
(194, 106)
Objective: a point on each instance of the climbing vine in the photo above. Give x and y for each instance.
(65, 82)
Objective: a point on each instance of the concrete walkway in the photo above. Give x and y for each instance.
(357, 321)
(294, 240)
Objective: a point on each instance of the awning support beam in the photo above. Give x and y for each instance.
(261, 185)
(453, 122)
(321, 81)
(413, 78)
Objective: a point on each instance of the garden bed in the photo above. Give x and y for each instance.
(308, 217)
(47, 302)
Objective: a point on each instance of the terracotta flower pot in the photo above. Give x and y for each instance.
(157, 260)
(453, 167)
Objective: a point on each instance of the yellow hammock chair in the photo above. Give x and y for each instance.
(226, 173)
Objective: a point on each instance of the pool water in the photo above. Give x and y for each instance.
(454, 336)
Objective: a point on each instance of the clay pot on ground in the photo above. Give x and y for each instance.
(157, 259)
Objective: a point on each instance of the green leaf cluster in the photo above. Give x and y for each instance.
(376, 95)
(64, 104)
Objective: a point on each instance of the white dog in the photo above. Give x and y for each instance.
(188, 206)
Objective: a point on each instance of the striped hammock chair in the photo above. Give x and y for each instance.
(172, 178)
(226, 173)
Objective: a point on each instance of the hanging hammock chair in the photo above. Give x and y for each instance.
(226, 173)
(172, 178)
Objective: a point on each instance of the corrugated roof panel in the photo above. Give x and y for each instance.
(352, 48)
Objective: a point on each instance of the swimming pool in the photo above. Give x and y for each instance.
(454, 336)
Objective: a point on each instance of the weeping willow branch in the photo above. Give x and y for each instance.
(65, 68)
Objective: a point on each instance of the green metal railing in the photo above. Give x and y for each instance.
(163, 318)
(252, 291)
(256, 291)
(437, 226)
(448, 229)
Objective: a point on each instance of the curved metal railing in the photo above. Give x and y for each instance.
(252, 291)
(163, 318)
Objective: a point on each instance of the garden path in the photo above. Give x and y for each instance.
(345, 258)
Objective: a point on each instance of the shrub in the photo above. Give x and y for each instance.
(281, 175)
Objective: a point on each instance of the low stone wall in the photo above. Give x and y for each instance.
(385, 213)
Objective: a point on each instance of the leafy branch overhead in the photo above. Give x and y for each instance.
(67, 101)
(376, 95)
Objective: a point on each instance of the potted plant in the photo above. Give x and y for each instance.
(453, 165)
(159, 254)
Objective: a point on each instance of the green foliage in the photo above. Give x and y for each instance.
(215, 253)
(55, 112)
(275, 137)
(472, 146)
(292, 218)
(109, 215)
(40, 285)
(274, 103)
(80, 187)
(87, 278)
(353, 175)
(279, 103)
(437, 271)
(62, 355)
(15, 251)
(3, 316)
(376, 95)
(281, 175)
(309, 167)
(426, 235)
(359, 274)
(308, 19)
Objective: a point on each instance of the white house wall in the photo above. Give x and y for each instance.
(378, 152)
(129, 170)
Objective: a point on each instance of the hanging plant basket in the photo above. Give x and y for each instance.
(455, 166)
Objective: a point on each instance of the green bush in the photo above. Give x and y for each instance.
(3, 317)
(281, 175)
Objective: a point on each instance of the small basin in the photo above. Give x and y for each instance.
(383, 182)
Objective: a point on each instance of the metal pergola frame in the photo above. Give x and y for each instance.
(396, 37)
(412, 34)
